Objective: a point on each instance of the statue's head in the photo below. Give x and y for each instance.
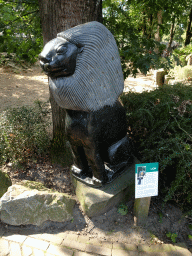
(58, 57)
(84, 67)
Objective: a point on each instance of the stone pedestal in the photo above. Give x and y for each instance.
(96, 201)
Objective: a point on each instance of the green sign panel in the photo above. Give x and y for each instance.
(146, 180)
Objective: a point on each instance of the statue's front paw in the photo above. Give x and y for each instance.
(81, 173)
(97, 182)
(76, 171)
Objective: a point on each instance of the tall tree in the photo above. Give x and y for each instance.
(57, 16)
(188, 32)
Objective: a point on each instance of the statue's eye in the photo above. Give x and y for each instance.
(61, 49)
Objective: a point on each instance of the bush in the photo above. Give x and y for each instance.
(181, 73)
(23, 134)
(180, 54)
(159, 123)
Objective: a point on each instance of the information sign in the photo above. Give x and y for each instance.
(146, 180)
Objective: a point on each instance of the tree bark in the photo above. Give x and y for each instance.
(57, 16)
(188, 32)
(172, 32)
(144, 24)
(159, 22)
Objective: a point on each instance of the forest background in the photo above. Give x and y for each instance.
(139, 28)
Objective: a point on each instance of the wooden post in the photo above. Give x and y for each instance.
(141, 210)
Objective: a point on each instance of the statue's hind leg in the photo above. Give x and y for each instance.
(120, 154)
(80, 167)
(97, 166)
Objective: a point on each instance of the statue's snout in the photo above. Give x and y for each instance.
(44, 59)
(45, 63)
(47, 67)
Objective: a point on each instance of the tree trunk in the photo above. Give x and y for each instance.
(57, 16)
(188, 32)
(144, 24)
(172, 32)
(159, 22)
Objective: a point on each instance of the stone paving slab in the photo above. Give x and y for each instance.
(98, 250)
(76, 245)
(82, 254)
(4, 247)
(38, 244)
(26, 250)
(53, 238)
(15, 249)
(128, 247)
(59, 251)
(37, 252)
(16, 238)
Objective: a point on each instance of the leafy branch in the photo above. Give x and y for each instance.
(22, 15)
(182, 129)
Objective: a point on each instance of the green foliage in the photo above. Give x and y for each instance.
(159, 122)
(20, 29)
(5, 182)
(160, 217)
(180, 54)
(172, 236)
(138, 50)
(182, 73)
(23, 134)
(122, 209)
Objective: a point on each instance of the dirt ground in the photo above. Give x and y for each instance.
(23, 88)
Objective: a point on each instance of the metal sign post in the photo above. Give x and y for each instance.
(146, 185)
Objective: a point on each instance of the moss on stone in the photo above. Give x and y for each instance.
(5, 182)
(34, 185)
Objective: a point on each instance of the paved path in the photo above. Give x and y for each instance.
(62, 244)
(140, 83)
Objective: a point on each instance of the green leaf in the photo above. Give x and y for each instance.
(123, 209)
(173, 236)
(168, 234)
(187, 147)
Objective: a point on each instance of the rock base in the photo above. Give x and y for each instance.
(96, 201)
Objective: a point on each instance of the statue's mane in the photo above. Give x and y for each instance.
(98, 78)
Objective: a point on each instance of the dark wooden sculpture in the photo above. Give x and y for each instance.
(86, 79)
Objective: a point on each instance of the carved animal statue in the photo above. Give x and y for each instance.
(86, 79)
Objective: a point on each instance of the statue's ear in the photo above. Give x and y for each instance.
(80, 49)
